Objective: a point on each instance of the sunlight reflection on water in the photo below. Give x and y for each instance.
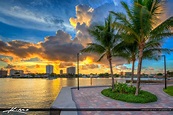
(38, 93)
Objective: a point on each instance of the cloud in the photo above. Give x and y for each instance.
(24, 17)
(53, 48)
(31, 60)
(37, 66)
(89, 66)
(101, 12)
(40, 2)
(19, 49)
(7, 60)
(60, 47)
(82, 35)
(9, 66)
(151, 68)
(121, 67)
(83, 15)
(168, 8)
(87, 16)
(65, 64)
(81, 24)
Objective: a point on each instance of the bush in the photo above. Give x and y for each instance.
(124, 88)
(126, 93)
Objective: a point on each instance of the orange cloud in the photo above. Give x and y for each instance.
(59, 47)
(7, 60)
(88, 60)
(65, 64)
(37, 66)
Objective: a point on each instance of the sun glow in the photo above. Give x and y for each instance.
(88, 60)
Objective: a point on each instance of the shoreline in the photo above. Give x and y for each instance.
(160, 81)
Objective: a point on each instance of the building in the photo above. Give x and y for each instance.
(128, 73)
(71, 70)
(12, 72)
(3, 73)
(49, 69)
(61, 72)
(16, 73)
(125, 73)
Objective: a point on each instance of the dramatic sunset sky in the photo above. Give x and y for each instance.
(34, 33)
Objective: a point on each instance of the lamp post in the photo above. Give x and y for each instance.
(165, 71)
(78, 70)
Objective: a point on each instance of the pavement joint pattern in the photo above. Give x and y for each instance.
(91, 97)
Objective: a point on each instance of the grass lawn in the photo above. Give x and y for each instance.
(169, 90)
(143, 97)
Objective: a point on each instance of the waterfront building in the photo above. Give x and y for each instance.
(71, 70)
(16, 73)
(61, 72)
(3, 73)
(49, 69)
(128, 73)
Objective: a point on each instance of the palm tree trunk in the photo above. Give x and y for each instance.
(139, 71)
(110, 64)
(133, 67)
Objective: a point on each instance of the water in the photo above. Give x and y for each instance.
(38, 93)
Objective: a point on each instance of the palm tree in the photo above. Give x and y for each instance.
(141, 22)
(129, 51)
(105, 42)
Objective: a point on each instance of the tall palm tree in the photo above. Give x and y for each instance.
(142, 23)
(105, 42)
(129, 51)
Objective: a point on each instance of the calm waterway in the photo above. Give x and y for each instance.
(38, 93)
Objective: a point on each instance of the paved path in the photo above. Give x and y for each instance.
(92, 98)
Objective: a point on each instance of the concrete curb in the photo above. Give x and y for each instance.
(64, 101)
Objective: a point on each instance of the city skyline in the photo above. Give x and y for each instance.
(32, 37)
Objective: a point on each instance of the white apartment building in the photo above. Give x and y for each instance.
(71, 70)
(49, 69)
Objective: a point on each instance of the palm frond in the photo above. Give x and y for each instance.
(121, 17)
(102, 55)
(124, 28)
(162, 35)
(164, 27)
(125, 6)
(155, 53)
(93, 47)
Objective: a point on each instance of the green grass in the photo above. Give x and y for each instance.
(143, 97)
(169, 90)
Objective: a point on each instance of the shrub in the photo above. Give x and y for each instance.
(143, 97)
(124, 88)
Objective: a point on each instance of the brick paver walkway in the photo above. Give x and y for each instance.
(92, 98)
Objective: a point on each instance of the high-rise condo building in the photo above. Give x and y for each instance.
(49, 69)
(71, 70)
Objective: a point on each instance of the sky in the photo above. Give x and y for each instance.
(35, 33)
